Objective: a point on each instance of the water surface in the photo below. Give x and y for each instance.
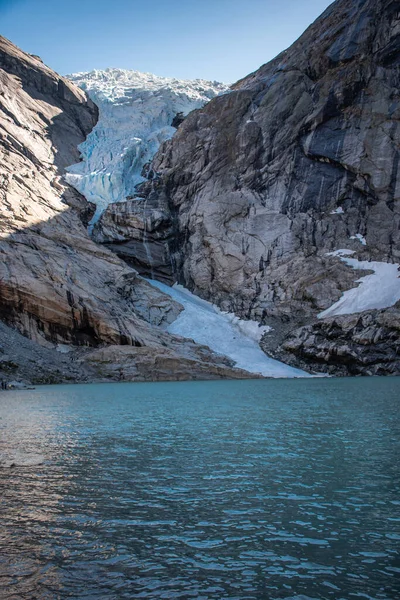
(267, 489)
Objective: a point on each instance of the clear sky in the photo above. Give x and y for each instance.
(221, 40)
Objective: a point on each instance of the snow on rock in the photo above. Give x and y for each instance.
(360, 238)
(381, 289)
(342, 252)
(136, 115)
(337, 211)
(224, 333)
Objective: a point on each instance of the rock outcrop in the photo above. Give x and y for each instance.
(141, 233)
(181, 361)
(24, 361)
(56, 285)
(367, 343)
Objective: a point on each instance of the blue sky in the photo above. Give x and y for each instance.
(220, 40)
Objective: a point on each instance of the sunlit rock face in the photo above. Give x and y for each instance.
(298, 160)
(56, 285)
(138, 111)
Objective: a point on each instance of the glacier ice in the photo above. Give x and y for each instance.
(136, 115)
(224, 333)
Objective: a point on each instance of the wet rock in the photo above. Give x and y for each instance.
(140, 234)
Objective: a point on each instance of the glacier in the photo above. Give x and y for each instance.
(136, 111)
(224, 333)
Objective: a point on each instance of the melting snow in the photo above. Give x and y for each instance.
(360, 238)
(381, 289)
(224, 333)
(343, 252)
(136, 113)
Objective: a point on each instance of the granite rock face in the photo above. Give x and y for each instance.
(56, 285)
(298, 158)
(181, 361)
(141, 233)
(24, 361)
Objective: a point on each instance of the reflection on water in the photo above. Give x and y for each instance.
(241, 490)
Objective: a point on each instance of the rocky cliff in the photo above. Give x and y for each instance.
(57, 286)
(298, 160)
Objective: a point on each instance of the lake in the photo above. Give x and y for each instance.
(265, 489)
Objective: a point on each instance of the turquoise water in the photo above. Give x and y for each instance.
(285, 489)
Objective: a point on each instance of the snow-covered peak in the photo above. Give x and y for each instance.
(136, 115)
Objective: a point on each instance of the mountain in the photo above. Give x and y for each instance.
(262, 195)
(58, 287)
(274, 204)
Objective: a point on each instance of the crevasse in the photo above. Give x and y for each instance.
(136, 115)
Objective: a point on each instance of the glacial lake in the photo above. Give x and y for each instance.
(265, 489)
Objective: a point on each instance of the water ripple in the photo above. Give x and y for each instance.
(275, 490)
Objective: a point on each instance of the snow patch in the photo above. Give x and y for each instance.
(224, 333)
(338, 211)
(381, 289)
(342, 252)
(360, 238)
(136, 114)
(251, 329)
(63, 348)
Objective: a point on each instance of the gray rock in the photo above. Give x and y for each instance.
(140, 234)
(367, 343)
(57, 286)
(247, 186)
